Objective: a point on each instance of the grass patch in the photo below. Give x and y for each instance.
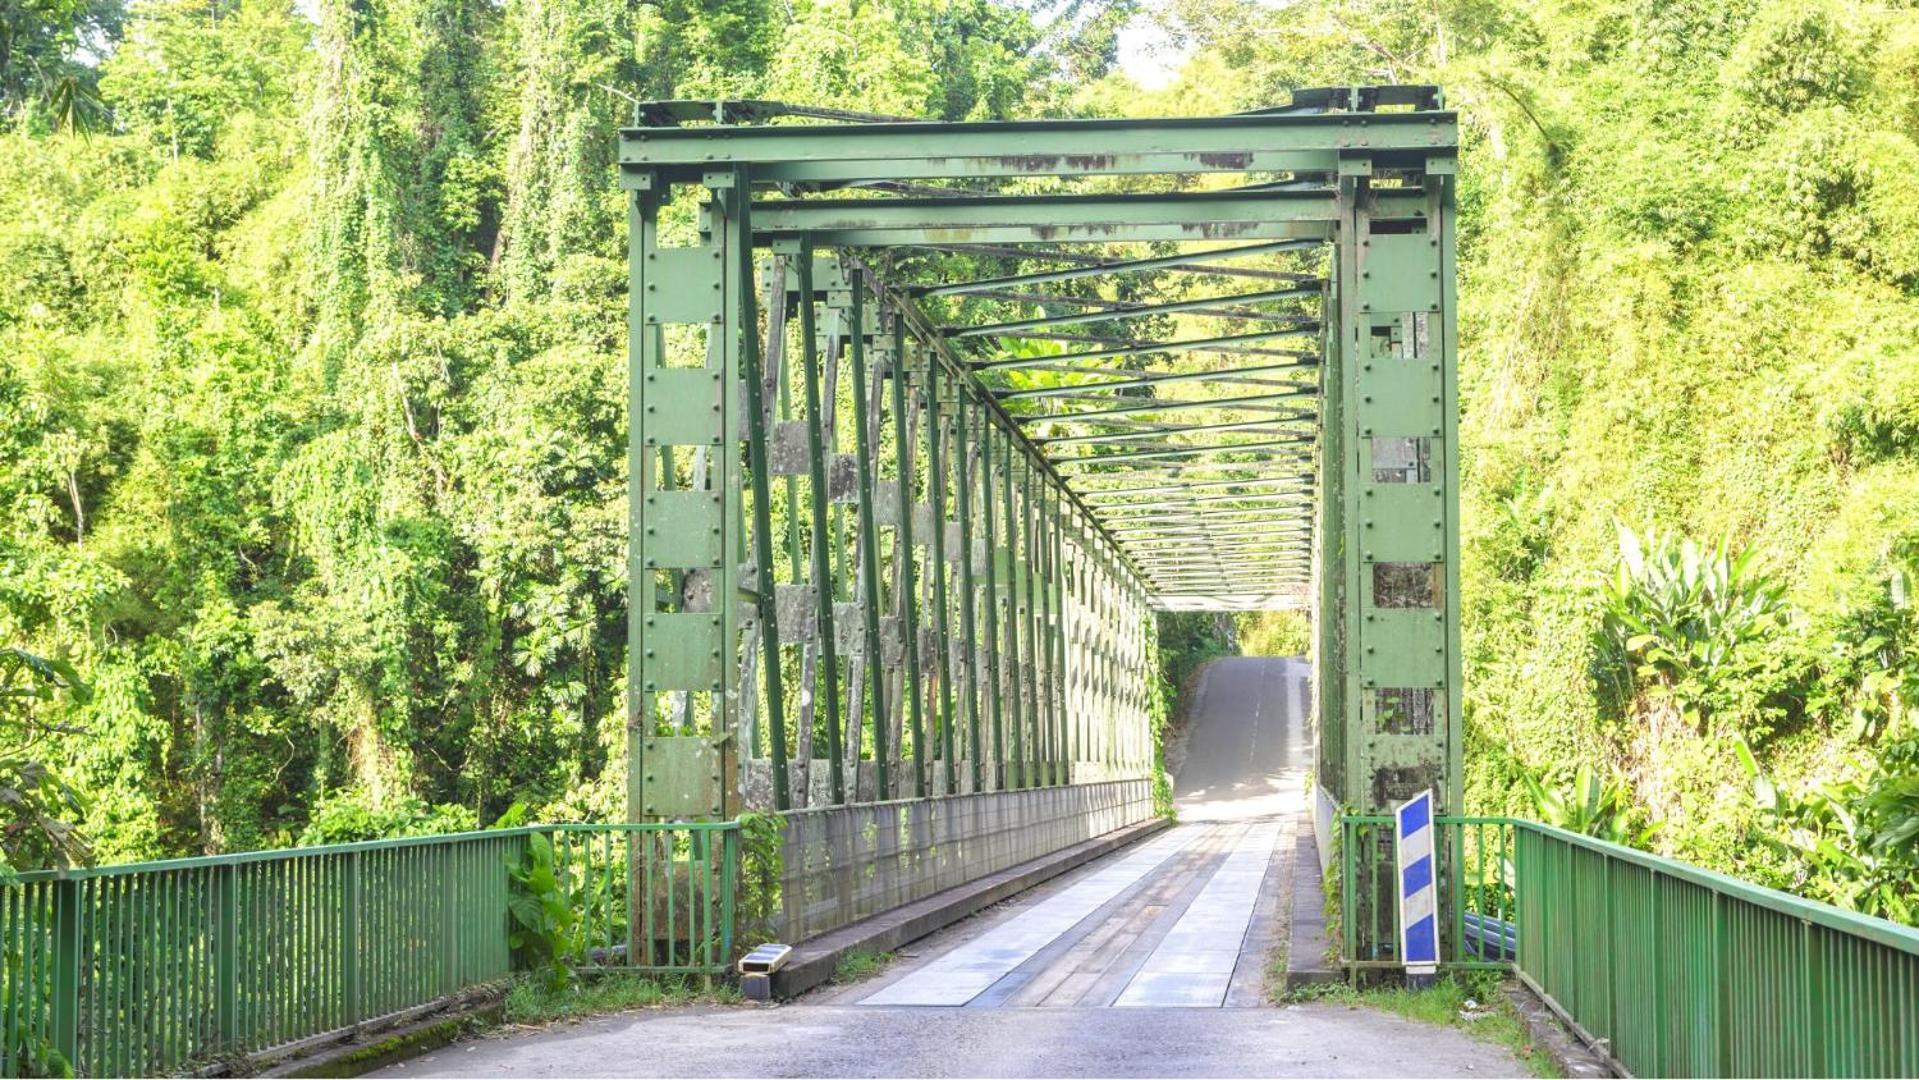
(859, 964)
(530, 1002)
(1444, 1005)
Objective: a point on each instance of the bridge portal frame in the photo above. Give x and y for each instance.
(1369, 171)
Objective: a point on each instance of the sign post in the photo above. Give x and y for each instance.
(1418, 898)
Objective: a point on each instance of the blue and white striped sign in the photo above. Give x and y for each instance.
(1418, 902)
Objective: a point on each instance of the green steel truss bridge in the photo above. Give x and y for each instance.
(927, 421)
(1003, 390)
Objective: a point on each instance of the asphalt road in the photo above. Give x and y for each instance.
(1247, 753)
(851, 1040)
(1247, 749)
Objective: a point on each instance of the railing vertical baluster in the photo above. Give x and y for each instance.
(606, 894)
(705, 908)
(729, 876)
(66, 969)
(172, 979)
(1348, 863)
(1814, 985)
(1722, 989)
(226, 947)
(648, 863)
(630, 841)
(12, 936)
(1455, 835)
(350, 941)
(1660, 1036)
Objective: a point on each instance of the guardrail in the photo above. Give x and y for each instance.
(158, 967)
(840, 864)
(1668, 969)
(1678, 971)
(650, 898)
(1475, 859)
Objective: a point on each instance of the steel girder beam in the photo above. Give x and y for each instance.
(1261, 449)
(1009, 149)
(1207, 257)
(1235, 498)
(1147, 348)
(1147, 380)
(1166, 405)
(1097, 497)
(1049, 219)
(1094, 305)
(1154, 434)
(1139, 311)
(1095, 263)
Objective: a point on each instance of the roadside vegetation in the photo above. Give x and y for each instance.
(533, 1000)
(860, 964)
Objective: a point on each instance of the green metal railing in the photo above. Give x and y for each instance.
(1668, 969)
(151, 968)
(1677, 971)
(1475, 858)
(655, 898)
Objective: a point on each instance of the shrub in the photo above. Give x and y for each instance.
(1590, 804)
(1684, 619)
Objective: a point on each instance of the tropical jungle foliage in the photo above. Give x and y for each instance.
(311, 387)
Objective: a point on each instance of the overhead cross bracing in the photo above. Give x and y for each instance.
(1003, 388)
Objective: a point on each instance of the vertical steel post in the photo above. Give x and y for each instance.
(226, 954)
(1025, 744)
(1044, 584)
(1027, 692)
(969, 591)
(684, 640)
(903, 551)
(1397, 493)
(744, 333)
(64, 1009)
(995, 690)
(822, 546)
(869, 541)
(350, 907)
(936, 479)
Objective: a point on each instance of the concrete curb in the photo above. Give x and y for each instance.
(1574, 1058)
(1306, 944)
(376, 1050)
(814, 961)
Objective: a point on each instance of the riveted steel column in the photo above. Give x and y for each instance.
(995, 691)
(1329, 568)
(1399, 495)
(1025, 745)
(1025, 564)
(869, 540)
(904, 552)
(822, 545)
(969, 592)
(691, 328)
(1055, 548)
(936, 480)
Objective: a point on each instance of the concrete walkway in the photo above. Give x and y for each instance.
(1150, 962)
